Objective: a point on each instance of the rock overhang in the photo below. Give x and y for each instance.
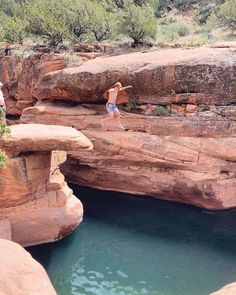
(40, 137)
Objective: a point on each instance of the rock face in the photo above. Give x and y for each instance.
(20, 273)
(227, 290)
(180, 144)
(20, 76)
(202, 75)
(35, 200)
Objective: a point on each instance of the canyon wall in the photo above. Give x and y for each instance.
(179, 142)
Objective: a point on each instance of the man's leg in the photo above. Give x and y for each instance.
(107, 119)
(118, 119)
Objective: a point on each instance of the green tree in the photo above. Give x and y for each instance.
(101, 21)
(90, 18)
(204, 11)
(48, 18)
(227, 15)
(12, 22)
(138, 22)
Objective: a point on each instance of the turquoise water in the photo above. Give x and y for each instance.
(128, 245)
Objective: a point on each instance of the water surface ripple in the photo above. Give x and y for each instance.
(132, 245)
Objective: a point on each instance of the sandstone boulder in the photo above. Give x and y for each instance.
(20, 273)
(163, 77)
(20, 76)
(34, 197)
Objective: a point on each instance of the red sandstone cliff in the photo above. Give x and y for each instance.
(187, 156)
(36, 205)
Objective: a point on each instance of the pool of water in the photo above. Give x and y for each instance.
(132, 245)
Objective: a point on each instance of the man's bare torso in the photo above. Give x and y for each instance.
(112, 95)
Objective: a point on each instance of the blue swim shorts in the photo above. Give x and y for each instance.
(111, 107)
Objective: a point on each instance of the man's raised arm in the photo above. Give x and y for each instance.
(126, 87)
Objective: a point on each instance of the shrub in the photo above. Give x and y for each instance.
(3, 159)
(170, 33)
(183, 28)
(227, 15)
(204, 11)
(100, 22)
(48, 18)
(138, 22)
(174, 29)
(14, 29)
(161, 111)
(4, 130)
(197, 40)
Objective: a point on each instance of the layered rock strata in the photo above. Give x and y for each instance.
(180, 143)
(187, 156)
(36, 205)
(20, 76)
(199, 76)
(20, 273)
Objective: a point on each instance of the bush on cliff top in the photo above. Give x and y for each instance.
(3, 159)
(138, 22)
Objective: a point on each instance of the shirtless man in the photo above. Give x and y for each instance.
(113, 112)
(2, 106)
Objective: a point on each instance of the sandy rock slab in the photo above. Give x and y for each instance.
(89, 116)
(227, 290)
(20, 273)
(39, 137)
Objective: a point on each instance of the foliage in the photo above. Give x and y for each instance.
(100, 21)
(227, 15)
(161, 111)
(48, 18)
(131, 104)
(3, 159)
(4, 130)
(204, 11)
(2, 113)
(212, 22)
(172, 29)
(12, 24)
(60, 21)
(138, 22)
(198, 40)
